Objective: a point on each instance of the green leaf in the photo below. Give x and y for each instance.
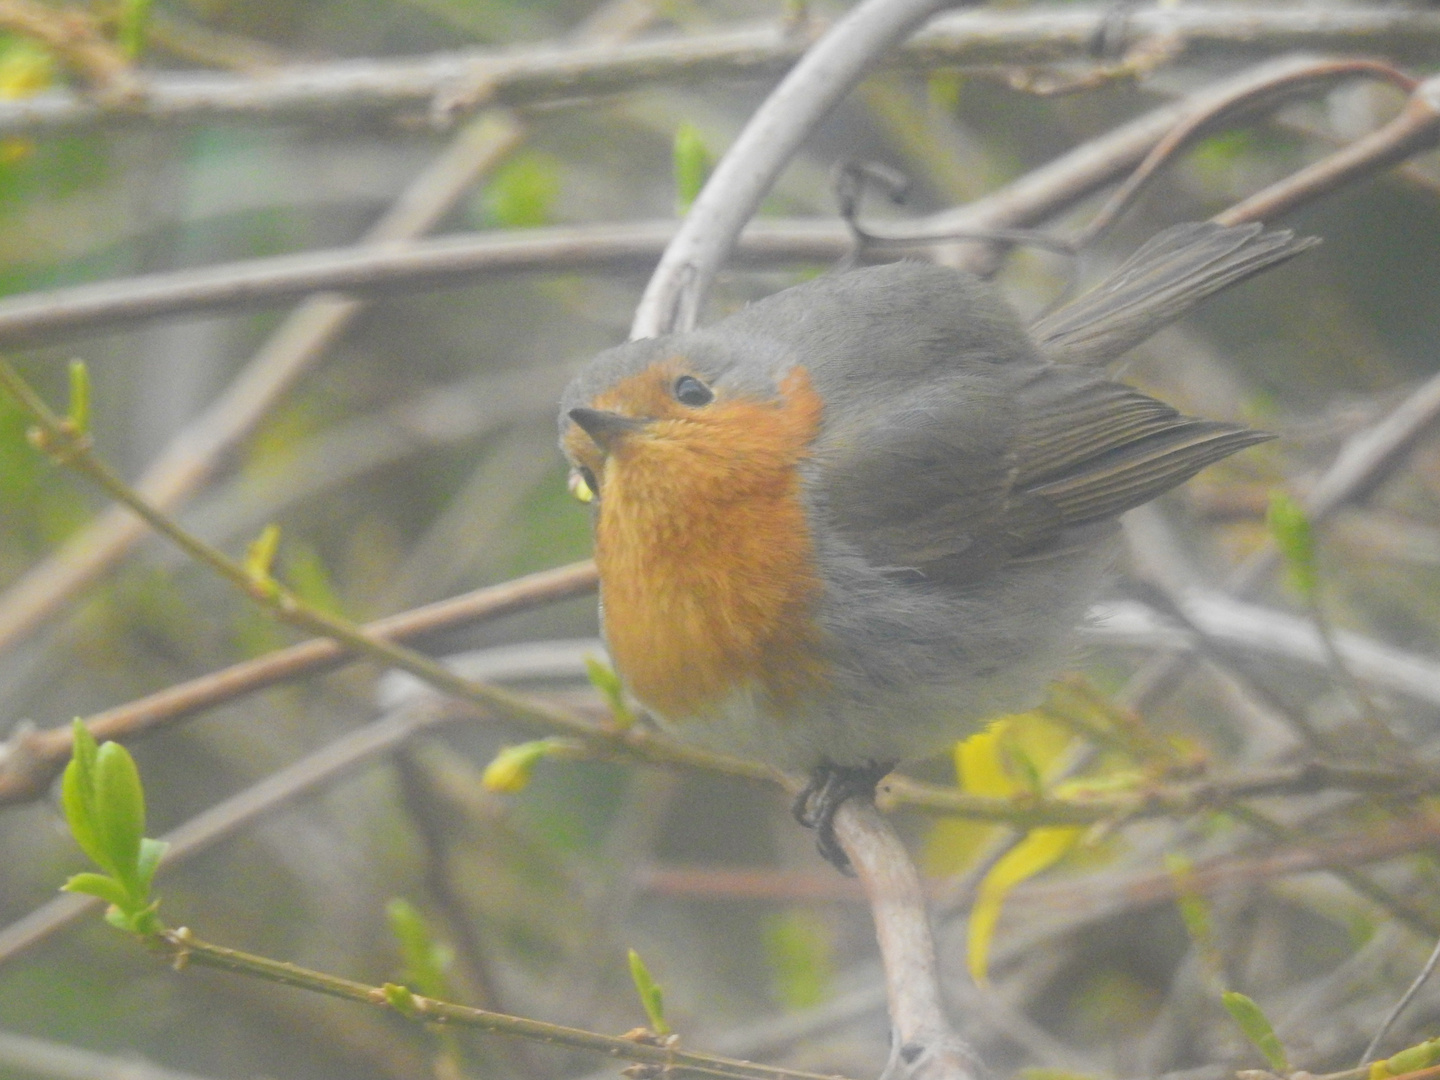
(801, 958)
(151, 852)
(602, 676)
(1257, 1028)
(260, 555)
(652, 998)
(401, 999)
(1414, 1058)
(424, 961)
(134, 22)
(1194, 910)
(522, 195)
(692, 165)
(308, 578)
(77, 797)
(120, 809)
(79, 415)
(142, 922)
(1295, 539)
(102, 885)
(26, 67)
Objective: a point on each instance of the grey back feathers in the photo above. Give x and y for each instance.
(953, 441)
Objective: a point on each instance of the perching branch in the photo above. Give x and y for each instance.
(923, 1045)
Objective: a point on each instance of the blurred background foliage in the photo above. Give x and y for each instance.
(536, 897)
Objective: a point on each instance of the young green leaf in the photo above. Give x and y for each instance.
(652, 998)
(401, 999)
(151, 852)
(523, 192)
(104, 886)
(120, 809)
(1295, 539)
(423, 960)
(1414, 1058)
(692, 165)
(602, 676)
(260, 555)
(1257, 1029)
(510, 770)
(77, 797)
(134, 22)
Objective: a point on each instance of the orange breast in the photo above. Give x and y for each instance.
(705, 555)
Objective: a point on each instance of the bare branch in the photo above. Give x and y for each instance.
(519, 77)
(278, 789)
(30, 759)
(1256, 630)
(373, 268)
(770, 138)
(923, 1045)
(1415, 130)
(189, 459)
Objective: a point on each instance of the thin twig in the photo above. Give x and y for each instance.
(985, 39)
(30, 760)
(190, 457)
(1400, 1006)
(1414, 131)
(1424, 920)
(184, 948)
(430, 263)
(1200, 123)
(1175, 799)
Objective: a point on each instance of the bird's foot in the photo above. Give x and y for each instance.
(829, 787)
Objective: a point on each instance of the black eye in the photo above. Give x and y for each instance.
(692, 392)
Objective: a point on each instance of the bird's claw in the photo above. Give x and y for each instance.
(829, 787)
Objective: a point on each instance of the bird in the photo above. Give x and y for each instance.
(843, 526)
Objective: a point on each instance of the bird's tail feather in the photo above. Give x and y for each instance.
(1166, 277)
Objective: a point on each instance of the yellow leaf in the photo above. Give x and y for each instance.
(1041, 849)
(510, 770)
(26, 68)
(980, 763)
(999, 761)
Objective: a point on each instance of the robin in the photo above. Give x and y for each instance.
(840, 527)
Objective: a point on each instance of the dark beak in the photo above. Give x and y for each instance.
(605, 427)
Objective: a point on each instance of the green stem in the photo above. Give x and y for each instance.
(1154, 799)
(60, 439)
(184, 948)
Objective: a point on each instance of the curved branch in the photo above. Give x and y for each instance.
(772, 135)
